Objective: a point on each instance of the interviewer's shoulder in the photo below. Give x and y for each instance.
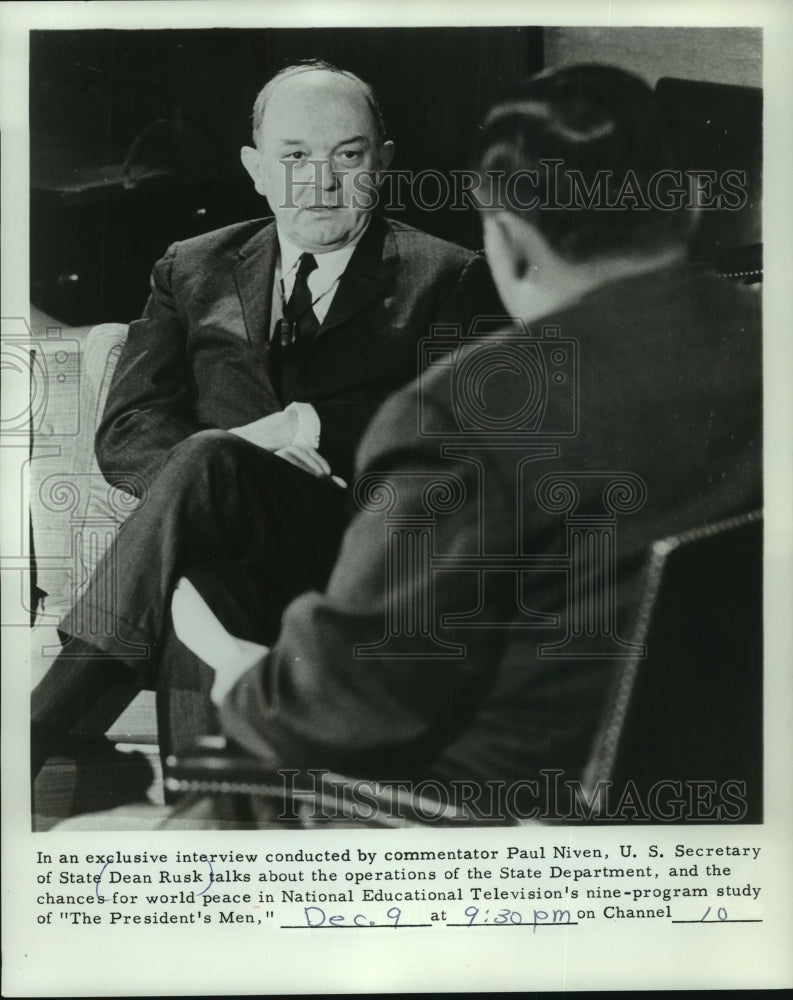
(414, 420)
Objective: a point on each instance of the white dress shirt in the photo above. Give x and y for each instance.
(323, 283)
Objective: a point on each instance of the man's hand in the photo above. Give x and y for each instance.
(297, 425)
(196, 626)
(309, 460)
(275, 431)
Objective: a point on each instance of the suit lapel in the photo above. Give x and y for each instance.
(369, 269)
(253, 274)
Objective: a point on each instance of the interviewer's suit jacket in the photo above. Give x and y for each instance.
(669, 390)
(199, 356)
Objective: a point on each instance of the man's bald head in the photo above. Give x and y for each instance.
(319, 150)
(316, 74)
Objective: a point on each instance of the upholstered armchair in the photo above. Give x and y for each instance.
(74, 512)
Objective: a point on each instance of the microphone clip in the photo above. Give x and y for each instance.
(286, 332)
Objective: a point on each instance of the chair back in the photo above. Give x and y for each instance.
(691, 710)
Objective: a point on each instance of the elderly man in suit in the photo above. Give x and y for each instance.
(391, 672)
(242, 393)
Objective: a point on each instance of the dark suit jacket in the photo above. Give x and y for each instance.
(199, 356)
(668, 390)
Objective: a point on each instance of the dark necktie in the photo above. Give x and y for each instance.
(298, 309)
(297, 329)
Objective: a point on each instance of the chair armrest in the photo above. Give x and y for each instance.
(215, 767)
(245, 787)
(102, 351)
(67, 488)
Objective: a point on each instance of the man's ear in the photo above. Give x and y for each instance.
(513, 236)
(252, 161)
(386, 154)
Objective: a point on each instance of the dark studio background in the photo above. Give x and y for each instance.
(135, 137)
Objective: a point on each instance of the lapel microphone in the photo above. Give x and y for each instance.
(286, 332)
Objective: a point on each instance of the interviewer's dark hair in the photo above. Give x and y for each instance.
(308, 66)
(592, 118)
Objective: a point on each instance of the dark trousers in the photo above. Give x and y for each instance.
(251, 532)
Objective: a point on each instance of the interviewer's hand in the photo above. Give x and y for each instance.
(276, 430)
(309, 460)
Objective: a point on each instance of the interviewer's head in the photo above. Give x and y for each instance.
(320, 141)
(566, 145)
